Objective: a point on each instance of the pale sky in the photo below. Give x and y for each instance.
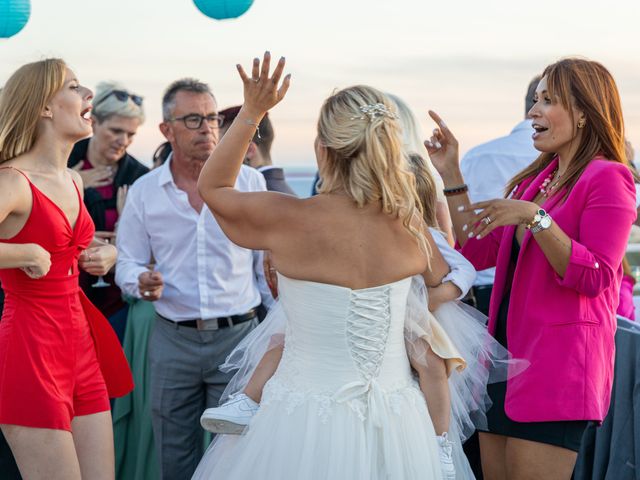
(471, 61)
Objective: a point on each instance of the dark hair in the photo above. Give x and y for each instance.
(183, 85)
(161, 154)
(531, 93)
(264, 141)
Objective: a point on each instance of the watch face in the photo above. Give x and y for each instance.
(545, 222)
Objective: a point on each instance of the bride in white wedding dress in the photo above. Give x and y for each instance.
(343, 403)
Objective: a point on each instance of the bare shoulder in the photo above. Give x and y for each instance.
(292, 211)
(12, 181)
(77, 178)
(15, 193)
(310, 209)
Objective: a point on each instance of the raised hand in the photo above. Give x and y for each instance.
(443, 149)
(95, 177)
(261, 91)
(489, 215)
(98, 260)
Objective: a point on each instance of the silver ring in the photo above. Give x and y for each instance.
(147, 293)
(488, 220)
(272, 269)
(255, 80)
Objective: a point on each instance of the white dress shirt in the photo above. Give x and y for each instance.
(461, 274)
(488, 168)
(205, 274)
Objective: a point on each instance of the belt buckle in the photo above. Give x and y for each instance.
(210, 324)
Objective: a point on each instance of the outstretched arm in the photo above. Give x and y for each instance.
(247, 218)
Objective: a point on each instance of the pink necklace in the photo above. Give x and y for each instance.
(546, 189)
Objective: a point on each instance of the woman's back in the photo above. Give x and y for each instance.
(329, 239)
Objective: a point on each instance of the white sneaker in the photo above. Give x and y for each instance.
(446, 460)
(231, 417)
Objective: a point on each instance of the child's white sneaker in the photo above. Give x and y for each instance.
(231, 417)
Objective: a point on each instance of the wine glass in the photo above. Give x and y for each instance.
(100, 283)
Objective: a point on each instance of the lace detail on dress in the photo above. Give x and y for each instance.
(278, 392)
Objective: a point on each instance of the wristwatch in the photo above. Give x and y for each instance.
(541, 221)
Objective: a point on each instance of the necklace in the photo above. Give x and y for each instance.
(550, 183)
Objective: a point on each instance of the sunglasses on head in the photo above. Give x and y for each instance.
(121, 95)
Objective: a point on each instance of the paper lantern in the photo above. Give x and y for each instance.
(223, 9)
(14, 15)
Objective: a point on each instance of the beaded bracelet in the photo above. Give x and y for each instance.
(458, 190)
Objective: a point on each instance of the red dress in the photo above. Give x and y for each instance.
(59, 357)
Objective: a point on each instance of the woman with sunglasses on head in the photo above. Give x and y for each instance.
(59, 358)
(557, 241)
(107, 170)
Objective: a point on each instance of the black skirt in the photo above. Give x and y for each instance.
(565, 434)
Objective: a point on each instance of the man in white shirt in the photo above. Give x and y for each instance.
(488, 168)
(206, 289)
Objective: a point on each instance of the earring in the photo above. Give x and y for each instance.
(581, 123)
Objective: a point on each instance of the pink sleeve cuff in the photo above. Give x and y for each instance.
(583, 272)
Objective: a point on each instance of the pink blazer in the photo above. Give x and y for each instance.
(564, 326)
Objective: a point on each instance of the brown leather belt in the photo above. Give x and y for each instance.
(214, 323)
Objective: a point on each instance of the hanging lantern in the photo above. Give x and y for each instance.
(14, 15)
(223, 9)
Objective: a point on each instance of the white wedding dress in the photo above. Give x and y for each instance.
(343, 403)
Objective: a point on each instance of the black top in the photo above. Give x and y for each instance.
(129, 170)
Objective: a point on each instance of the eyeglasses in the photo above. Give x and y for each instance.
(121, 95)
(193, 121)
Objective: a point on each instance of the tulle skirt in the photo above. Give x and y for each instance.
(300, 437)
(455, 332)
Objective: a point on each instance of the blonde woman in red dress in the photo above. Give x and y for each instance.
(59, 359)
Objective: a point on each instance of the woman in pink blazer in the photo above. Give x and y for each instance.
(557, 242)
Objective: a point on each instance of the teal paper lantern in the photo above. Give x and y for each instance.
(223, 9)
(14, 15)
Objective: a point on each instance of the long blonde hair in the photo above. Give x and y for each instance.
(23, 99)
(426, 188)
(594, 91)
(365, 156)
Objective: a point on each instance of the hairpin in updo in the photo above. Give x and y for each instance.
(375, 110)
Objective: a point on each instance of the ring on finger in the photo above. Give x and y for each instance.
(147, 293)
(487, 219)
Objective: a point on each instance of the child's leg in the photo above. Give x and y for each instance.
(234, 415)
(263, 372)
(434, 384)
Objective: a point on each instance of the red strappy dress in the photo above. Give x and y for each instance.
(59, 357)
